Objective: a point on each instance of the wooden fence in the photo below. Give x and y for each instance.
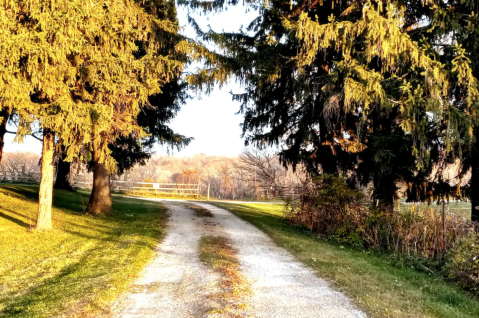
(27, 178)
(149, 188)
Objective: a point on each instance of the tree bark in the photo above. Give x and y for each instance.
(475, 182)
(100, 199)
(62, 181)
(384, 190)
(3, 131)
(329, 164)
(44, 221)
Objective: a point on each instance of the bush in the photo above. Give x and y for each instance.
(333, 210)
(329, 207)
(462, 263)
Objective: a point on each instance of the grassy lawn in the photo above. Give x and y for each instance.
(81, 266)
(375, 282)
(458, 208)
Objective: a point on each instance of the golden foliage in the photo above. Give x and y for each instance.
(83, 67)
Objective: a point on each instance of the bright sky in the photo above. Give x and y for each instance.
(211, 120)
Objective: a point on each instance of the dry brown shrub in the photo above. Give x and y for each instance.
(333, 210)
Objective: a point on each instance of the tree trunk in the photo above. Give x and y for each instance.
(384, 190)
(44, 221)
(3, 130)
(384, 182)
(475, 182)
(100, 199)
(62, 181)
(329, 164)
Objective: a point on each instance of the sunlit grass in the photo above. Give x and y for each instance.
(376, 283)
(82, 265)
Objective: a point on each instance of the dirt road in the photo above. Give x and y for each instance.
(177, 284)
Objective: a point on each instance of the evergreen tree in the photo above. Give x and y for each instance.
(357, 87)
(154, 119)
(80, 74)
(457, 20)
(128, 150)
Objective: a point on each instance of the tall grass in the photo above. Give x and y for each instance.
(331, 209)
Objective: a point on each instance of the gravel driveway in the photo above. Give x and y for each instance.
(176, 284)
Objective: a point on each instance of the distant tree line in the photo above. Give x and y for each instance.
(252, 175)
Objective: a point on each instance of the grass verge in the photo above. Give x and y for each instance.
(218, 253)
(81, 266)
(376, 283)
(200, 211)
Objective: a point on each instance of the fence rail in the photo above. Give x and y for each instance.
(20, 178)
(148, 188)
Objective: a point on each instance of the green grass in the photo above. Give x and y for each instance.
(458, 208)
(376, 283)
(81, 266)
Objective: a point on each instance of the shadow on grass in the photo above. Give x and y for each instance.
(14, 220)
(81, 280)
(68, 284)
(96, 259)
(70, 202)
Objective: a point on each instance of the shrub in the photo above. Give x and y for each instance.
(330, 208)
(462, 263)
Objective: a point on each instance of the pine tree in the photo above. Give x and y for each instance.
(128, 150)
(457, 21)
(154, 119)
(353, 87)
(80, 73)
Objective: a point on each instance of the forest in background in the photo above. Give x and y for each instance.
(253, 174)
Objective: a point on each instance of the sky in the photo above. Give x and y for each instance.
(210, 119)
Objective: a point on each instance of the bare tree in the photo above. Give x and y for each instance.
(264, 168)
(20, 165)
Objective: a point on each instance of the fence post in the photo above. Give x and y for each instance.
(443, 228)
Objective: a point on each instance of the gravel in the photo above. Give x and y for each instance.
(282, 287)
(176, 284)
